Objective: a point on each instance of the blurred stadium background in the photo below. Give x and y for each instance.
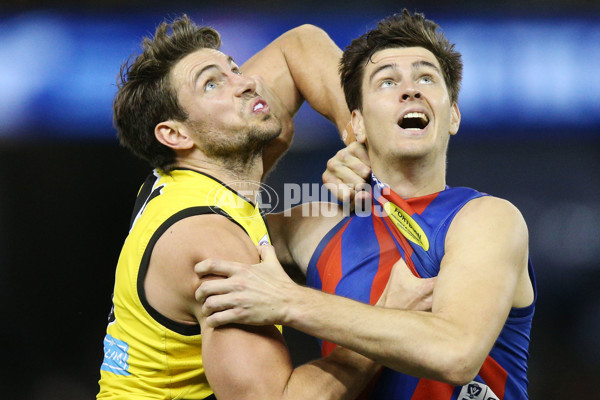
(531, 133)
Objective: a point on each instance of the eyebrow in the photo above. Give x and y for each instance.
(423, 63)
(209, 67)
(381, 68)
(393, 66)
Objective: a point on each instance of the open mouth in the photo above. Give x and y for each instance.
(413, 121)
(259, 106)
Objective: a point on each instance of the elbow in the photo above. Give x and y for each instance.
(308, 32)
(459, 375)
(459, 369)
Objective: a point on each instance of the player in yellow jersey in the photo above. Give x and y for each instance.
(210, 130)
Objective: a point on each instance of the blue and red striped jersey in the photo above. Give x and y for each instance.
(355, 260)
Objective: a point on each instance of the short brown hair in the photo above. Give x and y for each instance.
(398, 30)
(145, 96)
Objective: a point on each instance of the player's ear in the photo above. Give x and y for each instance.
(173, 134)
(358, 126)
(454, 119)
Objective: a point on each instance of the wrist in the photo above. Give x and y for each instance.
(296, 306)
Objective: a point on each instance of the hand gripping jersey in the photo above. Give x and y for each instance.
(146, 355)
(355, 259)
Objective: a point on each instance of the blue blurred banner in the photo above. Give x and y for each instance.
(522, 77)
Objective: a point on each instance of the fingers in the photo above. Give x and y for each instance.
(353, 161)
(347, 172)
(267, 253)
(224, 317)
(359, 151)
(212, 287)
(338, 189)
(212, 266)
(405, 290)
(355, 158)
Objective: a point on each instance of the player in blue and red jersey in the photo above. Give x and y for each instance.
(401, 83)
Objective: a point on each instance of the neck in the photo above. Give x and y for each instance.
(412, 177)
(233, 174)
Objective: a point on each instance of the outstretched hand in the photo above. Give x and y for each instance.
(406, 291)
(249, 294)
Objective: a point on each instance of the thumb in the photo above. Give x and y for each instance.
(267, 253)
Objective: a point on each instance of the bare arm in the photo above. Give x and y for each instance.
(301, 64)
(296, 232)
(241, 362)
(483, 274)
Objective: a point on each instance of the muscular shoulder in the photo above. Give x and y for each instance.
(171, 281)
(488, 211)
(488, 222)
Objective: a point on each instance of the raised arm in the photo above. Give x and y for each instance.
(301, 64)
(241, 362)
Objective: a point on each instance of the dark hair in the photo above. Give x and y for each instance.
(398, 30)
(145, 96)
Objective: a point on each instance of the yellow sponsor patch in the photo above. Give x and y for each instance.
(405, 224)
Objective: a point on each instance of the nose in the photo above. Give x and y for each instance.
(410, 93)
(244, 85)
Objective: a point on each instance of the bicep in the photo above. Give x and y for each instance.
(245, 362)
(486, 248)
(171, 281)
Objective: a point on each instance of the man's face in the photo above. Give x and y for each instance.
(225, 113)
(406, 107)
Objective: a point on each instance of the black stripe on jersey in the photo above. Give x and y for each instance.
(182, 329)
(211, 397)
(144, 196)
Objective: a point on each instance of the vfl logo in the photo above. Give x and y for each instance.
(473, 390)
(476, 391)
(405, 224)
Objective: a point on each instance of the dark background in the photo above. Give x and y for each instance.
(68, 189)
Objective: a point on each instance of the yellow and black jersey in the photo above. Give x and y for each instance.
(146, 355)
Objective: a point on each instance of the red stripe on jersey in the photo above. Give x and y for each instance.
(330, 262)
(429, 390)
(330, 272)
(494, 376)
(327, 348)
(388, 255)
(419, 204)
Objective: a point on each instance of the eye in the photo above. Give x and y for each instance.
(209, 85)
(236, 71)
(427, 79)
(387, 83)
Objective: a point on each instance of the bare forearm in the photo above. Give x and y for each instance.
(414, 342)
(313, 58)
(253, 363)
(340, 376)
